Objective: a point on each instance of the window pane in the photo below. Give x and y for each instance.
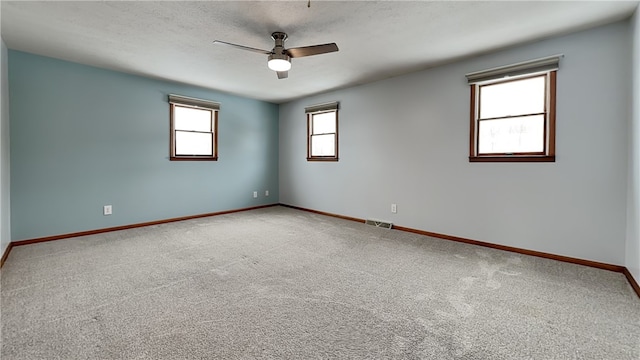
(513, 98)
(323, 145)
(186, 118)
(323, 123)
(513, 135)
(189, 143)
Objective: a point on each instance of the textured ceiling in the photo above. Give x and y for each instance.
(173, 40)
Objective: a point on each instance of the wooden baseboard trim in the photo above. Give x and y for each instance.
(632, 281)
(595, 264)
(125, 227)
(324, 213)
(5, 255)
(567, 259)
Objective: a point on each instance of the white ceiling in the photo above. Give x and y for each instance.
(173, 40)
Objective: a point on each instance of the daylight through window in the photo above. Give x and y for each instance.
(513, 112)
(322, 132)
(193, 128)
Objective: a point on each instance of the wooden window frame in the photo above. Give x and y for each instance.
(213, 132)
(548, 155)
(310, 157)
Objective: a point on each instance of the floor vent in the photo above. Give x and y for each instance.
(378, 223)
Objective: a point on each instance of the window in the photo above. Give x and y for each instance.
(513, 112)
(322, 132)
(194, 125)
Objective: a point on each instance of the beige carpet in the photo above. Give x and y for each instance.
(278, 283)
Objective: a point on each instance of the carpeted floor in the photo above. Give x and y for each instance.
(278, 283)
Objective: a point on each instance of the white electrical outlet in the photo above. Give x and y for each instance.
(394, 208)
(255, 194)
(266, 193)
(107, 210)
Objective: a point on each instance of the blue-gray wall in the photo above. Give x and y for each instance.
(405, 140)
(632, 251)
(84, 137)
(5, 192)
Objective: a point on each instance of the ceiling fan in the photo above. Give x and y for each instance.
(280, 58)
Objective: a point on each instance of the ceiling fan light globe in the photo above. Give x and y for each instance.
(279, 65)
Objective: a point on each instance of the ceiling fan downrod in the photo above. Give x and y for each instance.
(279, 38)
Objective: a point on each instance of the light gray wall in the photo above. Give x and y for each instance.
(405, 140)
(83, 137)
(5, 205)
(633, 197)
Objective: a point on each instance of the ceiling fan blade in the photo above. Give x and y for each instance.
(312, 50)
(283, 74)
(242, 47)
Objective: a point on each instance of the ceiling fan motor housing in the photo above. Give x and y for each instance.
(279, 60)
(279, 38)
(281, 56)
